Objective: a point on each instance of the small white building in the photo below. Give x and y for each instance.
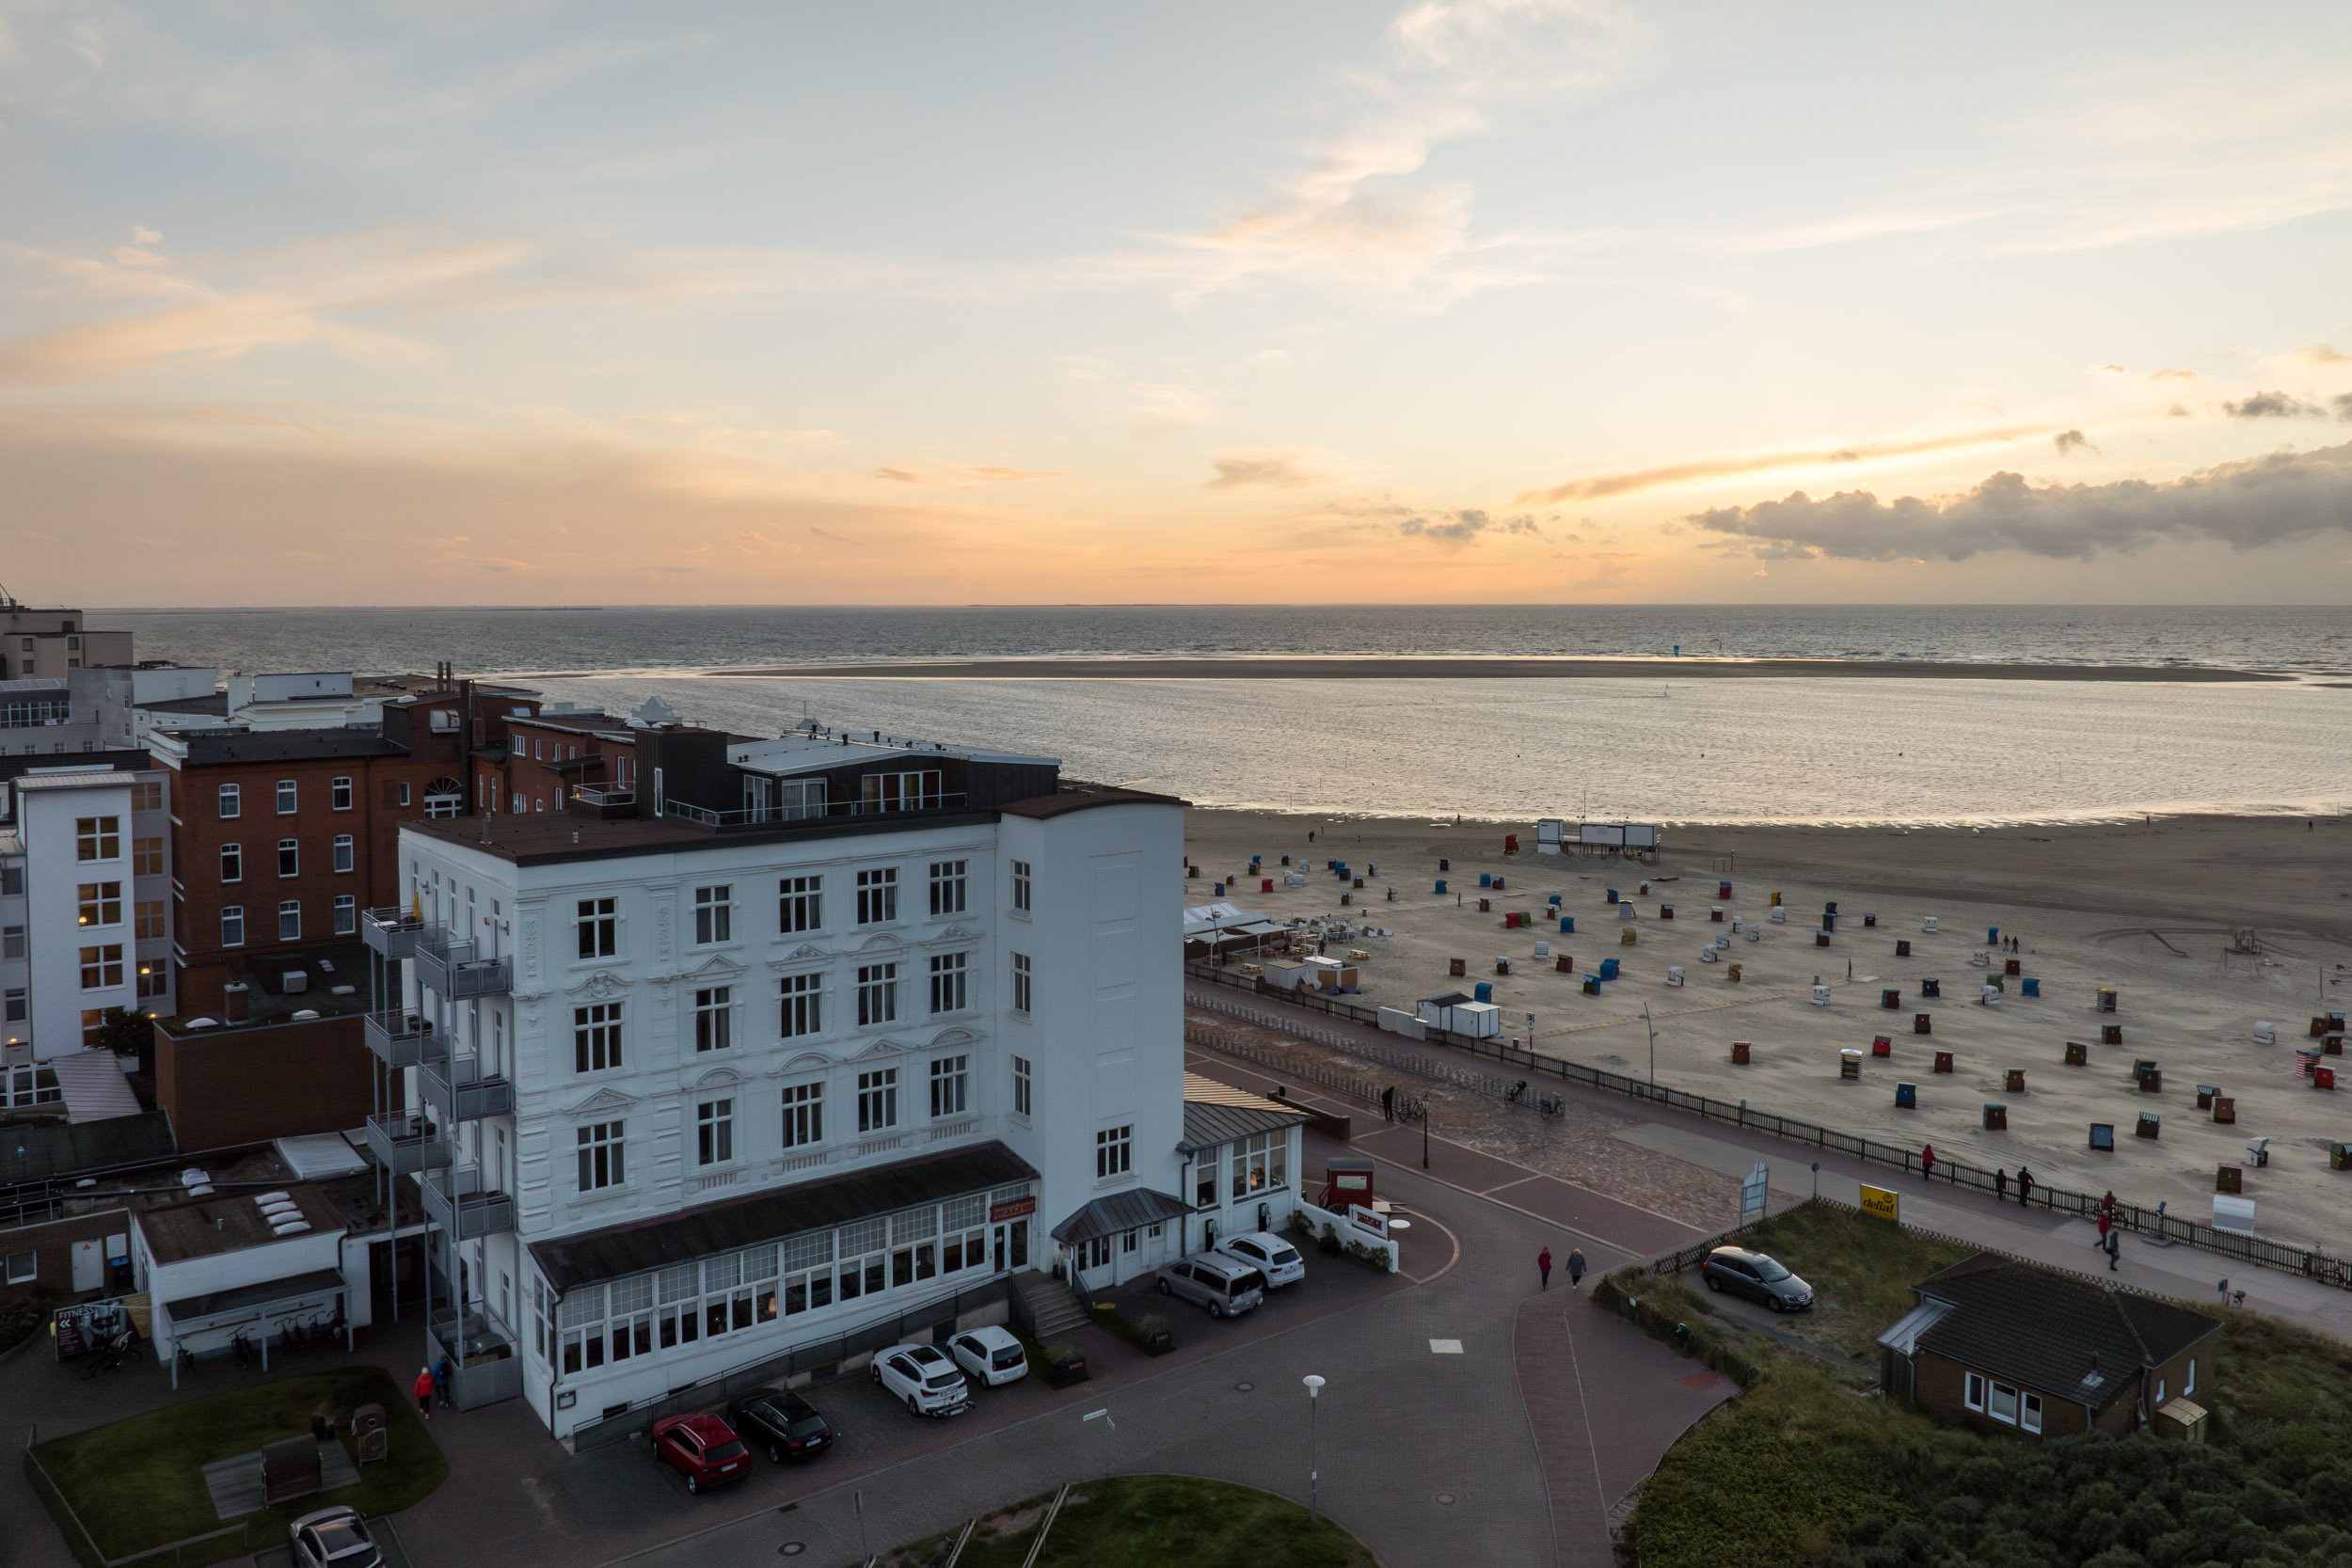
(226, 1263)
(1242, 1163)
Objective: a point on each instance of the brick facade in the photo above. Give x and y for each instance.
(319, 1074)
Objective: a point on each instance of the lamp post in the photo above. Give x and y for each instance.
(1315, 1388)
(1653, 1045)
(1109, 1427)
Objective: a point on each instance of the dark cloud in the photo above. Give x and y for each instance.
(1460, 527)
(2067, 440)
(2269, 500)
(1281, 470)
(2344, 405)
(2272, 405)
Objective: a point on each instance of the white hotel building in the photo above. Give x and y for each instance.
(809, 1046)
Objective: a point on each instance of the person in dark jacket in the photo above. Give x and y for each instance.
(2025, 1183)
(440, 1381)
(1576, 1267)
(2001, 1186)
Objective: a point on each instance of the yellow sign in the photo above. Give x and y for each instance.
(1880, 1201)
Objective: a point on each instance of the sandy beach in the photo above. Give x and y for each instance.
(1354, 668)
(2152, 910)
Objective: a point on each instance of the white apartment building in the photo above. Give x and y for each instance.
(827, 1043)
(85, 899)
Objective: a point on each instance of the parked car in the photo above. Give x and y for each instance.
(923, 1378)
(1269, 1254)
(1226, 1285)
(990, 1354)
(1756, 1275)
(789, 1424)
(703, 1449)
(334, 1538)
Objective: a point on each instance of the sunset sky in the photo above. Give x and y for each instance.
(1474, 300)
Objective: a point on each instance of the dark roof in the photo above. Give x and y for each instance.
(1115, 1212)
(1207, 1126)
(552, 838)
(269, 1292)
(217, 703)
(1082, 799)
(618, 1250)
(124, 762)
(31, 1152)
(2048, 1331)
(208, 748)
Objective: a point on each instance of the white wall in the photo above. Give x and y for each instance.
(55, 936)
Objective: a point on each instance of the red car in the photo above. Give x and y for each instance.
(703, 1449)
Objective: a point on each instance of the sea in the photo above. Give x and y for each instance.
(1646, 746)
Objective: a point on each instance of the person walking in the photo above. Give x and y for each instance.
(1927, 1163)
(1543, 1265)
(2107, 1222)
(2115, 1248)
(441, 1382)
(2106, 1204)
(2001, 1186)
(1576, 1267)
(424, 1391)
(2025, 1183)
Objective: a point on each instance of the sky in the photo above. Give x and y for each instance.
(1487, 301)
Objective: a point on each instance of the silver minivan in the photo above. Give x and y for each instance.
(1226, 1285)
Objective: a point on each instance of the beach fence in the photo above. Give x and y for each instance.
(2309, 1262)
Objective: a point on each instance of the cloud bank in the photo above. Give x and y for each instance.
(2246, 506)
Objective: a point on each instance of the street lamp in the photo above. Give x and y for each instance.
(1315, 1388)
(1109, 1428)
(1653, 1045)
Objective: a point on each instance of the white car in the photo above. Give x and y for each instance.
(333, 1538)
(1269, 1254)
(923, 1378)
(990, 1354)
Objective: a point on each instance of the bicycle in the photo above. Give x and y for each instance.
(241, 1348)
(1550, 1105)
(184, 1357)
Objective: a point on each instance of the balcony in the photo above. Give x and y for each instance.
(485, 1364)
(390, 931)
(406, 1144)
(402, 1039)
(780, 815)
(456, 969)
(604, 802)
(457, 1088)
(456, 1202)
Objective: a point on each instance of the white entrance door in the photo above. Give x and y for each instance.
(89, 1266)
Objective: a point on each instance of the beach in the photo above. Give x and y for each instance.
(2156, 911)
(1352, 668)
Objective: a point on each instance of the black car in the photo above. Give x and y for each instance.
(1757, 1277)
(787, 1423)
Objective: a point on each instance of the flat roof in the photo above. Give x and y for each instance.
(230, 1222)
(212, 748)
(801, 753)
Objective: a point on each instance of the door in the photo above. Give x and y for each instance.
(1019, 1229)
(89, 1266)
(996, 1247)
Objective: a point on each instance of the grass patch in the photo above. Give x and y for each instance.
(139, 1483)
(1149, 1521)
(1861, 1269)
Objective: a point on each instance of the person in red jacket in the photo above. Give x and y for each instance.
(423, 1390)
(1927, 1163)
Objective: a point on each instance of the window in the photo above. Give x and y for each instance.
(147, 797)
(1020, 982)
(148, 920)
(877, 896)
(1204, 1181)
(581, 1318)
(714, 1131)
(13, 942)
(286, 806)
(599, 923)
(808, 1272)
(101, 903)
(2003, 1405)
(2160, 1393)
(714, 915)
(1021, 886)
(877, 993)
(631, 1317)
(878, 1100)
(803, 1115)
(93, 1028)
(714, 1018)
(289, 857)
(1972, 1392)
(596, 1037)
(290, 920)
(681, 1316)
(101, 966)
(911, 791)
(232, 801)
(346, 915)
(800, 903)
(1021, 1085)
(947, 970)
(97, 838)
(1260, 1164)
(1113, 1148)
(24, 1267)
(402, 789)
(804, 1005)
(147, 857)
(600, 1164)
(947, 881)
(13, 1004)
(232, 925)
(153, 979)
(345, 852)
(949, 1076)
(233, 862)
(2031, 1418)
(338, 794)
(2188, 1383)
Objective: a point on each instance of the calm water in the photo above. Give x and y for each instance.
(1765, 750)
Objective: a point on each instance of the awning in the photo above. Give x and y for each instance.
(1118, 1213)
(258, 1298)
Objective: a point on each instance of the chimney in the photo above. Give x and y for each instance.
(232, 1003)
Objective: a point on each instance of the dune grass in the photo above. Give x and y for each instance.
(1149, 1521)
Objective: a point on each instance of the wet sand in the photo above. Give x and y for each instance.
(1487, 669)
(2153, 910)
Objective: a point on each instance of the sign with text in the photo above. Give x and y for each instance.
(1880, 1201)
(1753, 1190)
(1012, 1209)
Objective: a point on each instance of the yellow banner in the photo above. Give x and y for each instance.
(1880, 1201)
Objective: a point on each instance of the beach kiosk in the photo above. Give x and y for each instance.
(1346, 1180)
